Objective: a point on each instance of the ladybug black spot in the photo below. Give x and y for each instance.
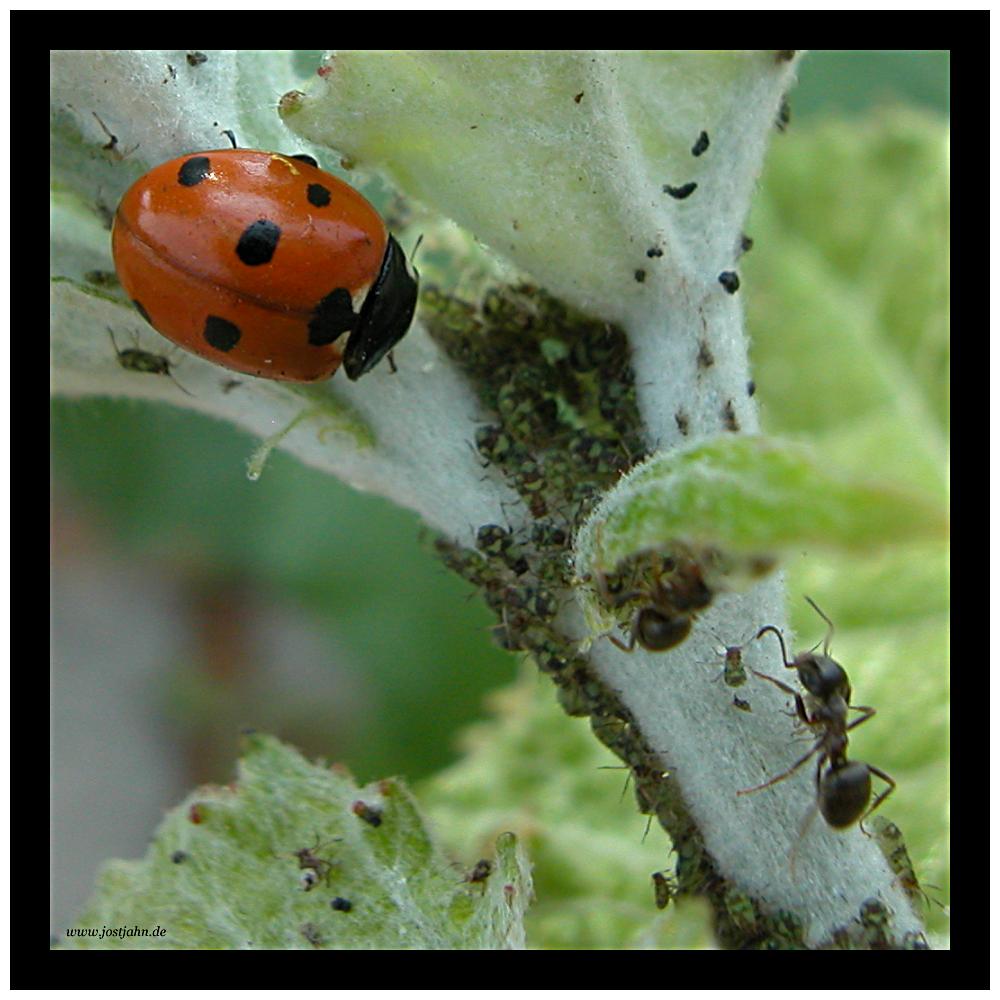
(141, 310)
(318, 195)
(258, 242)
(221, 334)
(194, 171)
(332, 317)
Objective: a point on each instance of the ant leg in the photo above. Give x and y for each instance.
(869, 712)
(621, 645)
(800, 705)
(879, 799)
(784, 774)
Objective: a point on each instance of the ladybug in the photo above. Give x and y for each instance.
(262, 263)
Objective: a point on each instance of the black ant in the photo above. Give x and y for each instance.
(844, 789)
(664, 619)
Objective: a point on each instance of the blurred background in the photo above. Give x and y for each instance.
(188, 603)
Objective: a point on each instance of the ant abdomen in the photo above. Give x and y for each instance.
(844, 793)
(657, 631)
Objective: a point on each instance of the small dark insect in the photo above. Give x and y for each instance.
(743, 706)
(370, 814)
(751, 387)
(730, 281)
(664, 889)
(134, 359)
(179, 857)
(705, 356)
(481, 871)
(341, 905)
(701, 144)
(640, 275)
(578, 97)
(729, 417)
(784, 115)
(654, 252)
(311, 933)
(681, 192)
(313, 867)
(196, 58)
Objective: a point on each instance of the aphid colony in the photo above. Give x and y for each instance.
(560, 425)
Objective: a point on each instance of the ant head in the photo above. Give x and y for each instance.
(656, 631)
(844, 791)
(822, 676)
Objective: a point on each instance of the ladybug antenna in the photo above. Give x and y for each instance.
(416, 247)
(231, 135)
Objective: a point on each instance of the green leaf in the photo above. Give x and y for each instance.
(234, 867)
(753, 495)
(558, 160)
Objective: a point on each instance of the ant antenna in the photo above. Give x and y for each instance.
(829, 631)
(781, 639)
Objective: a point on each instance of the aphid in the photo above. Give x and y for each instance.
(640, 275)
(730, 281)
(480, 872)
(311, 933)
(784, 115)
(701, 144)
(134, 359)
(664, 889)
(890, 841)
(179, 857)
(705, 356)
(196, 58)
(313, 867)
(681, 192)
(844, 788)
(372, 815)
(341, 905)
(729, 417)
(743, 706)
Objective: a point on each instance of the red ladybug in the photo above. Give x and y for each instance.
(262, 263)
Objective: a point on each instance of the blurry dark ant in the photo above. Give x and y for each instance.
(844, 788)
(664, 619)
